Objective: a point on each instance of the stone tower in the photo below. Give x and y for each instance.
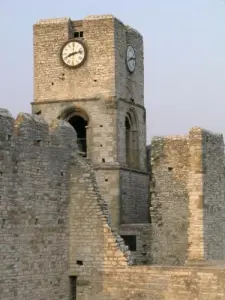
(90, 73)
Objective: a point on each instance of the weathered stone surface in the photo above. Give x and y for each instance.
(169, 200)
(52, 214)
(187, 197)
(34, 199)
(104, 91)
(62, 216)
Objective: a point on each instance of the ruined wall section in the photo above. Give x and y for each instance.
(101, 143)
(52, 214)
(108, 182)
(95, 247)
(34, 199)
(213, 191)
(169, 199)
(142, 232)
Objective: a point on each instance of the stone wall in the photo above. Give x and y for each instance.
(101, 131)
(34, 199)
(134, 197)
(169, 199)
(129, 86)
(196, 198)
(187, 197)
(53, 81)
(94, 245)
(109, 182)
(165, 283)
(103, 145)
(206, 195)
(54, 222)
(139, 113)
(213, 192)
(143, 236)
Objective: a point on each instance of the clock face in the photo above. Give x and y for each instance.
(73, 53)
(131, 58)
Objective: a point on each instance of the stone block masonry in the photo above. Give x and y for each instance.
(206, 196)
(169, 199)
(106, 93)
(187, 197)
(60, 212)
(34, 198)
(45, 186)
(55, 224)
(213, 195)
(166, 283)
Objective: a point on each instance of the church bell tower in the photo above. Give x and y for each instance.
(90, 73)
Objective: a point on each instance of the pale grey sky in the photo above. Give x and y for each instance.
(184, 56)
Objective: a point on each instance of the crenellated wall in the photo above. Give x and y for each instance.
(55, 224)
(34, 198)
(51, 213)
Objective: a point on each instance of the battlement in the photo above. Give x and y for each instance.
(35, 131)
(50, 204)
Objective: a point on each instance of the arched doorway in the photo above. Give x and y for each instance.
(79, 120)
(79, 124)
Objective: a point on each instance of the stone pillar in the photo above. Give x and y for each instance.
(195, 191)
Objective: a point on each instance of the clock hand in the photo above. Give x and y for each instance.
(73, 53)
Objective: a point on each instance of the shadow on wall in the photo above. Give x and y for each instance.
(214, 192)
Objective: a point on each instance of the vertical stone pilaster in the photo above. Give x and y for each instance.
(196, 200)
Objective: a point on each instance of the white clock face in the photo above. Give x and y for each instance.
(131, 59)
(73, 53)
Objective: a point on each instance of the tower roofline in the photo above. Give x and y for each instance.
(87, 18)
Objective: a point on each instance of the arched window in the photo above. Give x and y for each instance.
(79, 124)
(79, 120)
(132, 145)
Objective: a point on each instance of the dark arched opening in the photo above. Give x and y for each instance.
(132, 147)
(128, 142)
(79, 124)
(79, 120)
